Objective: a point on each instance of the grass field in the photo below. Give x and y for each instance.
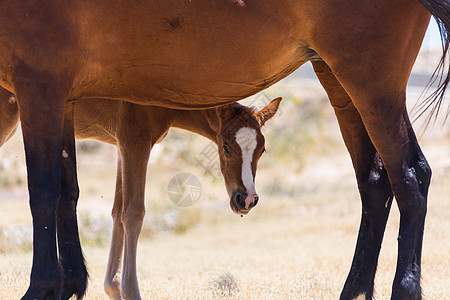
(296, 244)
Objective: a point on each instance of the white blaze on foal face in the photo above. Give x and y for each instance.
(240, 132)
(246, 139)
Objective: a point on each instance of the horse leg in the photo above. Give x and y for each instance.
(410, 175)
(373, 184)
(112, 277)
(133, 211)
(135, 143)
(384, 114)
(373, 67)
(41, 99)
(412, 202)
(70, 254)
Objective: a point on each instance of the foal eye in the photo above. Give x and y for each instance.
(225, 149)
(262, 152)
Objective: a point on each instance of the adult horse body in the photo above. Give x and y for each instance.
(199, 54)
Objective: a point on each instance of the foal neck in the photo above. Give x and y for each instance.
(204, 122)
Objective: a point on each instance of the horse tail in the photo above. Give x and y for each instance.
(440, 9)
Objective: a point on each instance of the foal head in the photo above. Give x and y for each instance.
(241, 144)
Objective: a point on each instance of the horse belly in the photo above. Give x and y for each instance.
(189, 57)
(170, 87)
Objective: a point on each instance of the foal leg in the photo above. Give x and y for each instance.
(373, 184)
(112, 277)
(41, 99)
(133, 212)
(134, 141)
(70, 254)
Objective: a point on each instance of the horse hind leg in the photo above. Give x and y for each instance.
(410, 177)
(373, 184)
(383, 111)
(412, 201)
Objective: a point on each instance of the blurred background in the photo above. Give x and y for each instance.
(297, 243)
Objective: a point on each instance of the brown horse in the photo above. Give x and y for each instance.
(198, 54)
(135, 129)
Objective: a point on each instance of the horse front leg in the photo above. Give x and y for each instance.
(373, 184)
(113, 270)
(70, 254)
(41, 99)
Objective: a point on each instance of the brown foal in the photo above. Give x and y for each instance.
(235, 128)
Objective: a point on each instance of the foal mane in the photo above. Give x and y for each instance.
(242, 111)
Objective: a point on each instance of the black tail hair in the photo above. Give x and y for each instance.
(440, 9)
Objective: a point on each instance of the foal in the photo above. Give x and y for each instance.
(236, 129)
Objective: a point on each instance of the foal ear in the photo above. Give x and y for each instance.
(268, 112)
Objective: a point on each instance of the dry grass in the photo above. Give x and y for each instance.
(297, 244)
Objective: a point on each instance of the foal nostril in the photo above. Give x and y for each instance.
(240, 200)
(255, 200)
